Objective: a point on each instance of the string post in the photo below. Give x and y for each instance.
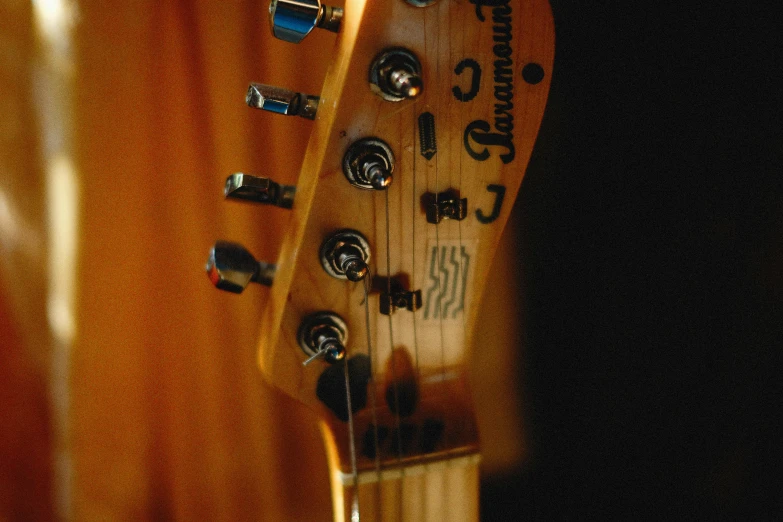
(369, 164)
(346, 255)
(395, 75)
(323, 336)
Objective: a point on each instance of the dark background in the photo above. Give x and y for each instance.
(651, 234)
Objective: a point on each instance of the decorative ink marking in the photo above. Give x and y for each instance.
(445, 205)
(444, 271)
(500, 193)
(331, 386)
(475, 79)
(479, 131)
(427, 140)
(446, 279)
(434, 292)
(532, 73)
(465, 262)
(455, 273)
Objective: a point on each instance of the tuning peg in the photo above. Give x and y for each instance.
(281, 101)
(259, 190)
(231, 267)
(292, 20)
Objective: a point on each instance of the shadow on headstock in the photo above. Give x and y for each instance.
(421, 137)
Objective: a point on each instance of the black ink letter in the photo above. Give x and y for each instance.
(475, 79)
(500, 192)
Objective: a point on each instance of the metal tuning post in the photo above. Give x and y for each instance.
(395, 75)
(369, 164)
(245, 187)
(292, 20)
(323, 335)
(396, 297)
(281, 101)
(346, 255)
(231, 267)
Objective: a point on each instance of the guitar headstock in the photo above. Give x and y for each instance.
(420, 140)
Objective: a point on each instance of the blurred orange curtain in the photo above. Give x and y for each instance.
(184, 428)
(25, 419)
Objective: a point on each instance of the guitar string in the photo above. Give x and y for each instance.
(354, 471)
(414, 208)
(437, 225)
(462, 276)
(437, 253)
(393, 365)
(373, 359)
(413, 242)
(449, 105)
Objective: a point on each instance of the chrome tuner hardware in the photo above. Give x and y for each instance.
(346, 255)
(395, 75)
(231, 267)
(281, 101)
(323, 335)
(369, 164)
(245, 187)
(292, 20)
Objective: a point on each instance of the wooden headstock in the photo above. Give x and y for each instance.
(485, 67)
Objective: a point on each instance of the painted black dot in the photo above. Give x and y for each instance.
(532, 73)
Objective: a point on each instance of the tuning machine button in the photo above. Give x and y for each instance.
(231, 267)
(281, 101)
(245, 187)
(292, 20)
